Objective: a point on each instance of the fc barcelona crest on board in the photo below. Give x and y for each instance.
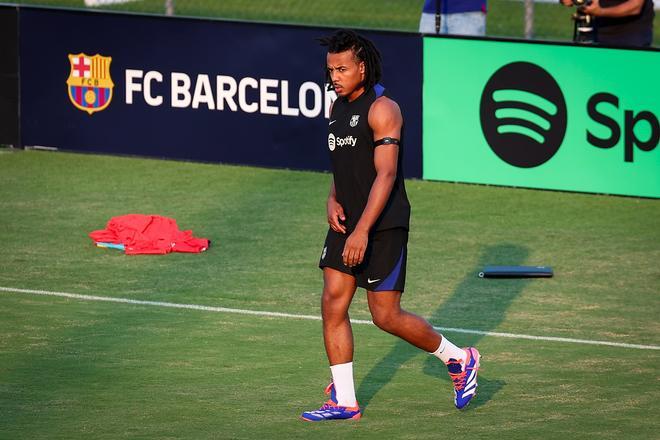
(89, 83)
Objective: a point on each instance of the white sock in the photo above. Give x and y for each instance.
(342, 377)
(447, 351)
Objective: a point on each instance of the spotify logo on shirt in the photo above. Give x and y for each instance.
(523, 114)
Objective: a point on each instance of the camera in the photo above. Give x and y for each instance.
(583, 28)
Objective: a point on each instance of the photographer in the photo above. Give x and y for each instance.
(620, 22)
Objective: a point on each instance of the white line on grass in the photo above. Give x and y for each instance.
(312, 317)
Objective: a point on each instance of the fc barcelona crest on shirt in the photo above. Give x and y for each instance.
(89, 84)
(354, 120)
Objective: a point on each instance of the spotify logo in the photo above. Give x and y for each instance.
(331, 142)
(523, 114)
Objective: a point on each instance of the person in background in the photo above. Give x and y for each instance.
(457, 17)
(621, 22)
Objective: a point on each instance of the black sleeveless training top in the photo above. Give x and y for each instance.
(351, 145)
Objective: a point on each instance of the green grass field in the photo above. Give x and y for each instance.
(80, 369)
(505, 17)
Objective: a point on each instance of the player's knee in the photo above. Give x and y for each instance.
(385, 319)
(330, 296)
(332, 303)
(326, 305)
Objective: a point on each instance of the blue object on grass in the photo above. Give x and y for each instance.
(516, 272)
(110, 245)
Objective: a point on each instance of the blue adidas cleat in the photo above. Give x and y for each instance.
(331, 411)
(465, 380)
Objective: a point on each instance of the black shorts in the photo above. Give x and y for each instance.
(384, 264)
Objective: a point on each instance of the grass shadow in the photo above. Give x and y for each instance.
(476, 303)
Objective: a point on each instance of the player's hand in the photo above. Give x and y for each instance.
(566, 2)
(335, 214)
(355, 247)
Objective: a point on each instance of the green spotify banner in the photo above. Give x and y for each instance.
(542, 116)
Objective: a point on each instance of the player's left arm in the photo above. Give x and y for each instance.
(385, 120)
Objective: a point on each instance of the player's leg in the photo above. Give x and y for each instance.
(338, 291)
(388, 315)
(339, 286)
(462, 364)
(384, 279)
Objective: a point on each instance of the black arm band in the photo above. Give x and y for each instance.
(386, 141)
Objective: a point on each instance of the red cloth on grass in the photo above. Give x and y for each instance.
(149, 234)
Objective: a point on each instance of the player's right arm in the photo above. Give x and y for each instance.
(335, 211)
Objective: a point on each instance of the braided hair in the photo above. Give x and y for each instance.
(363, 50)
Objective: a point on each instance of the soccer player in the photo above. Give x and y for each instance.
(368, 213)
